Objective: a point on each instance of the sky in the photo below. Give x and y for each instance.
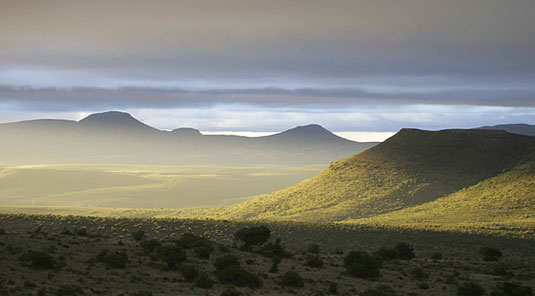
(264, 66)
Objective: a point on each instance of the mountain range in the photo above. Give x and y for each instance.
(117, 137)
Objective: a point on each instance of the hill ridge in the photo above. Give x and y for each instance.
(411, 168)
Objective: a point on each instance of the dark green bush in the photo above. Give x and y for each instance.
(292, 279)
(313, 249)
(202, 252)
(386, 253)
(272, 250)
(237, 276)
(405, 251)
(226, 261)
(138, 235)
(39, 260)
(142, 293)
(402, 251)
(189, 273)
(381, 290)
(512, 289)
(490, 254)
(437, 256)
(2, 231)
(171, 254)
(81, 231)
(313, 261)
(333, 288)
(231, 292)
(69, 290)
(190, 241)
(204, 281)
(360, 264)
(149, 245)
(470, 289)
(112, 259)
(500, 269)
(253, 236)
(418, 273)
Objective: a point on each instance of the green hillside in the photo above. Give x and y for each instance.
(409, 169)
(506, 201)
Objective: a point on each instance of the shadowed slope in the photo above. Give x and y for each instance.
(504, 201)
(411, 168)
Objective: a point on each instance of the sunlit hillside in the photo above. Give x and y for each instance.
(411, 168)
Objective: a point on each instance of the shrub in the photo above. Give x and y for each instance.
(191, 241)
(437, 256)
(171, 254)
(39, 260)
(272, 250)
(253, 236)
(292, 279)
(313, 261)
(275, 264)
(2, 231)
(226, 261)
(142, 293)
(112, 260)
(189, 273)
(138, 235)
(490, 254)
(419, 273)
(149, 245)
(313, 249)
(203, 281)
(231, 292)
(405, 251)
(402, 251)
(500, 269)
(69, 290)
(512, 289)
(381, 290)
(81, 231)
(470, 289)
(333, 288)
(202, 252)
(237, 276)
(386, 253)
(360, 264)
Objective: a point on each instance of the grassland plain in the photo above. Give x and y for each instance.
(141, 185)
(74, 247)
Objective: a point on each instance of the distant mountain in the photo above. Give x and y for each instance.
(114, 120)
(521, 129)
(412, 168)
(117, 137)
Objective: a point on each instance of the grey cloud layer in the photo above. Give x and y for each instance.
(307, 98)
(240, 40)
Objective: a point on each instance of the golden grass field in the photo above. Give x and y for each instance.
(141, 186)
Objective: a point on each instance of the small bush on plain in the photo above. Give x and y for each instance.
(362, 265)
(292, 279)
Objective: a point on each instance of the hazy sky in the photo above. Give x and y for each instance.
(270, 65)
